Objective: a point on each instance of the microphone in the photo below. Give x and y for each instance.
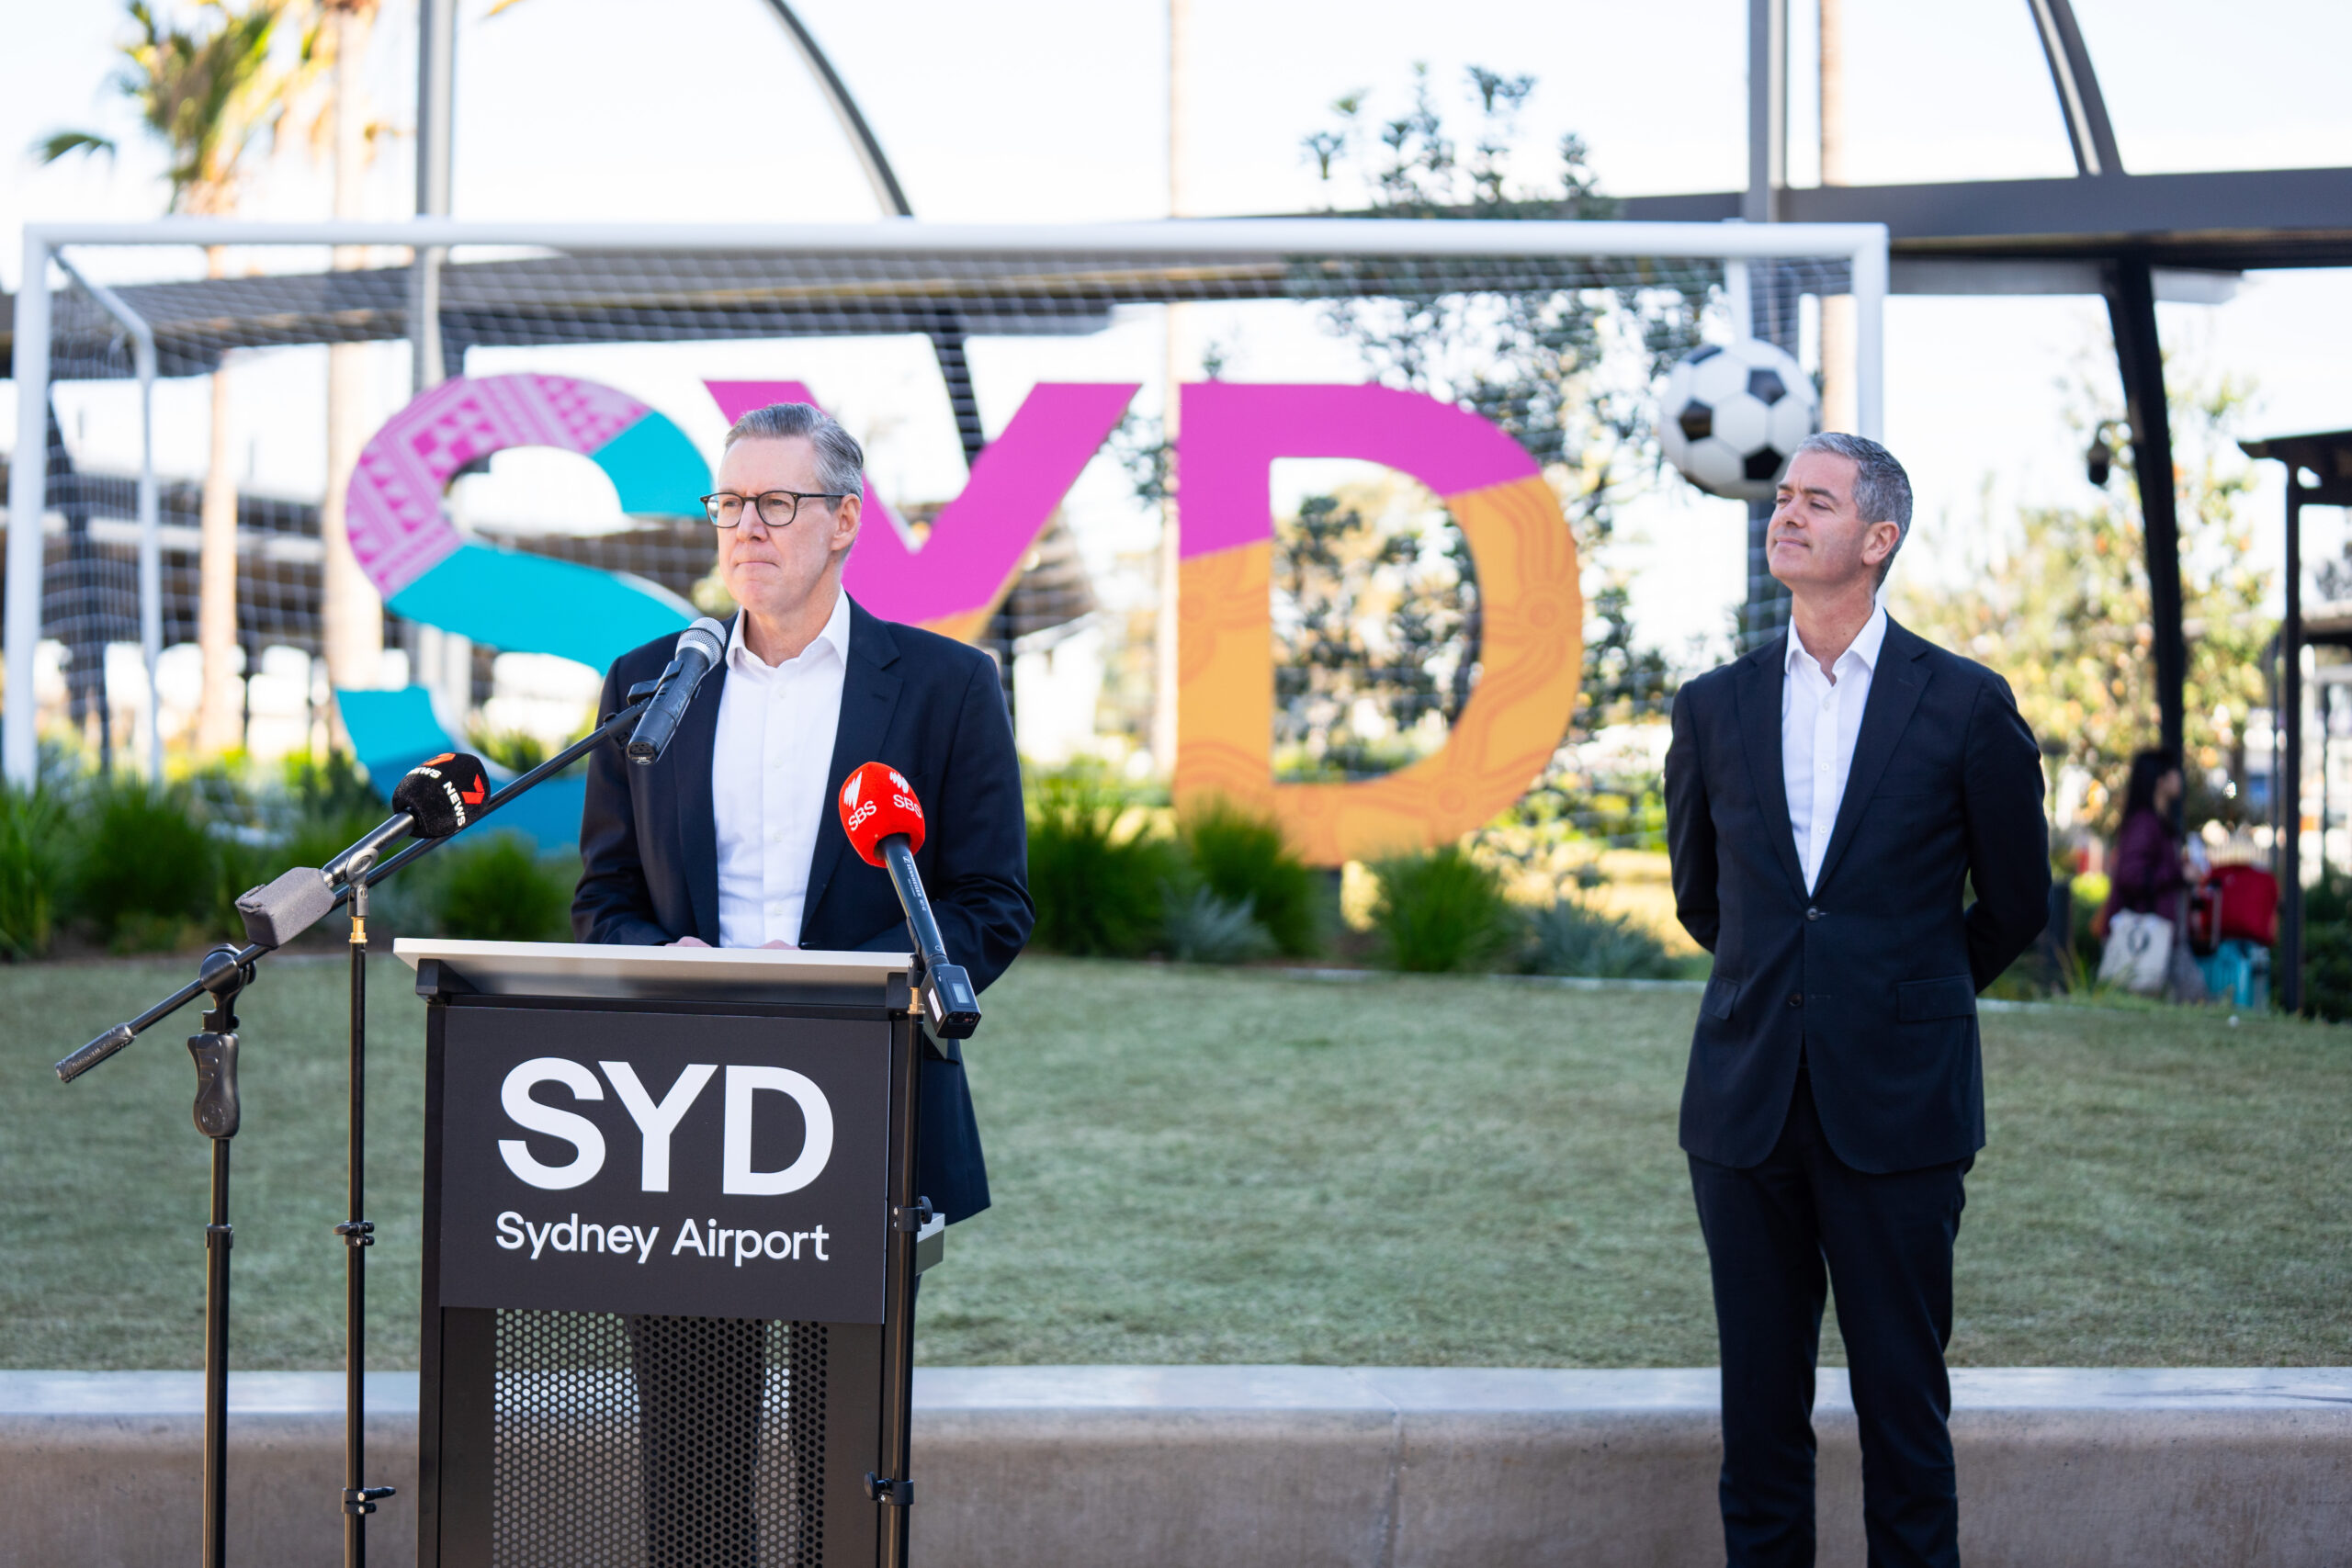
(432, 800)
(883, 821)
(700, 646)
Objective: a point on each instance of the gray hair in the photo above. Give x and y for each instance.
(1882, 490)
(841, 462)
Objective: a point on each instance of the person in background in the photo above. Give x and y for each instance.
(2150, 874)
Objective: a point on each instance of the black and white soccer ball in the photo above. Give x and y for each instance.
(1733, 415)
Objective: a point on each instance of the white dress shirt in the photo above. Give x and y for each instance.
(767, 779)
(1819, 719)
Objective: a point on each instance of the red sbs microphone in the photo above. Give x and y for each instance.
(878, 802)
(883, 821)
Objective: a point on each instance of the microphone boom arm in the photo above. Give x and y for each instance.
(122, 1034)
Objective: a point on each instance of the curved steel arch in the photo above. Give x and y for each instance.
(947, 336)
(2079, 99)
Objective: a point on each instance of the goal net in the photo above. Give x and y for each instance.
(275, 489)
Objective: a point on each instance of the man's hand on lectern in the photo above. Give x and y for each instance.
(687, 942)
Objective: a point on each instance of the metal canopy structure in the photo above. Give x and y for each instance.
(2319, 473)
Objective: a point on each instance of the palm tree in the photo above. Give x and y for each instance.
(352, 614)
(210, 94)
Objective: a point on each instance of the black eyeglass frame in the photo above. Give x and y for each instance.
(759, 505)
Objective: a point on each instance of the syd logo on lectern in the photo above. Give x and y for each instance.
(716, 1166)
(656, 1121)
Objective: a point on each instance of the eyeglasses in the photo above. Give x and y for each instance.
(777, 508)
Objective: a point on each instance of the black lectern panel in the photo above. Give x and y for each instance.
(660, 1270)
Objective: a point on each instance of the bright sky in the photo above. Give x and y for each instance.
(1045, 110)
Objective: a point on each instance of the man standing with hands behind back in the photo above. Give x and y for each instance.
(1831, 800)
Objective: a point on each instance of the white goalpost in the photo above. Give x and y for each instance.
(593, 280)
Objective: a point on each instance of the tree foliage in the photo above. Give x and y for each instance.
(1571, 373)
(207, 92)
(2060, 608)
(1371, 607)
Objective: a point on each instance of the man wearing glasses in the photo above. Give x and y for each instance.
(728, 840)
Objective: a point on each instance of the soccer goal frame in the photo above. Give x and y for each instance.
(1269, 241)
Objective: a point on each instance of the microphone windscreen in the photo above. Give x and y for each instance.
(708, 634)
(443, 793)
(277, 912)
(876, 801)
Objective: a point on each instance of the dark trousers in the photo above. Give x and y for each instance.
(1777, 1235)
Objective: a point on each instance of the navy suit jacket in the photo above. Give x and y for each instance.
(927, 705)
(1872, 977)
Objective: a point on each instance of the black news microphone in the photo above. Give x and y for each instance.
(883, 821)
(432, 800)
(700, 646)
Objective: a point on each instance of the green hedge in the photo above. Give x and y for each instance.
(133, 866)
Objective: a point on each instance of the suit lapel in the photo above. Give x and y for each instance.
(1895, 686)
(695, 748)
(1756, 692)
(869, 699)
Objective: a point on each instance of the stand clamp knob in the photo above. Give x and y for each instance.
(362, 1499)
(882, 1489)
(358, 1232)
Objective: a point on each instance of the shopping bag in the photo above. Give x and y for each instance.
(2139, 952)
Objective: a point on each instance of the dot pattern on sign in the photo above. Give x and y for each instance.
(657, 1442)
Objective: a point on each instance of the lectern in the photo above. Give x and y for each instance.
(670, 1239)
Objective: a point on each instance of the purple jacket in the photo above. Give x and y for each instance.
(2146, 874)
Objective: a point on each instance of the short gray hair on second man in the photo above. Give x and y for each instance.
(841, 461)
(1882, 490)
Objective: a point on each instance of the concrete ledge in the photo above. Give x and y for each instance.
(1399, 1468)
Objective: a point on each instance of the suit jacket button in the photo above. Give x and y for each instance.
(1812, 914)
(1797, 1000)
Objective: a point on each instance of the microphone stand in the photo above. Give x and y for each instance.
(225, 972)
(359, 1499)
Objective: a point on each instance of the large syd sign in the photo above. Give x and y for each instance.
(591, 1164)
(1531, 603)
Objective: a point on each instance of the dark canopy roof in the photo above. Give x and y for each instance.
(2327, 455)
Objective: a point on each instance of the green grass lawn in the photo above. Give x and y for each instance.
(1219, 1166)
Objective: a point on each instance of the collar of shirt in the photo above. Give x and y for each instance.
(1862, 652)
(741, 660)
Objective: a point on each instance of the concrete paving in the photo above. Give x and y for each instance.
(1094, 1467)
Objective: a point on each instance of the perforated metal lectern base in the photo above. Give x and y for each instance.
(597, 1441)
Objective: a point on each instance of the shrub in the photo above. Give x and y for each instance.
(514, 748)
(502, 889)
(1442, 911)
(32, 870)
(144, 866)
(1573, 937)
(1244, 860)
(332, 790)
(1098, 894)
(1201, 927)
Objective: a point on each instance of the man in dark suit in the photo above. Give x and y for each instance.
(731, 840)
(1832, 800)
